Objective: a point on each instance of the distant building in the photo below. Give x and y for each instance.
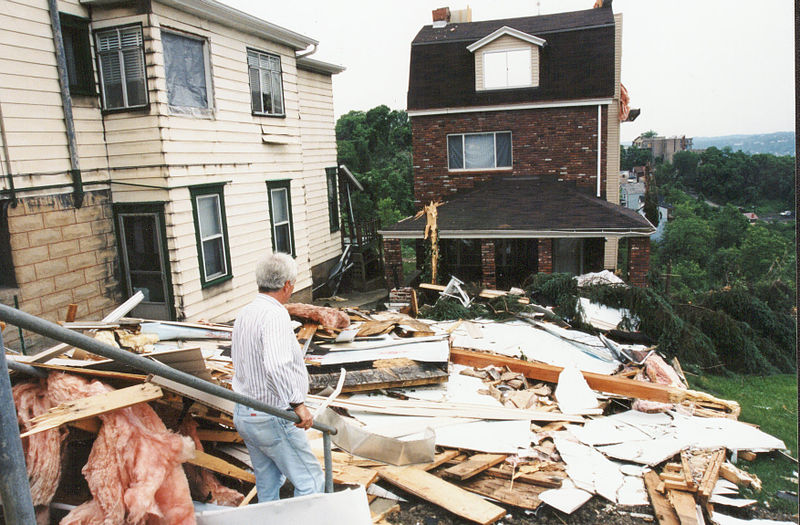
(663, 147)
(751, 217)
(631, 195)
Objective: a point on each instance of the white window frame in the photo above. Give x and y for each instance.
(463, 149)
(506, 85)
(204, 239)
(119, 54)
(260, 69)
(197, 111)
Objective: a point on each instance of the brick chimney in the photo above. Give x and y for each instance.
(441, 16)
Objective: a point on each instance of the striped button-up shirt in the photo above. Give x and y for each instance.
(267, 360)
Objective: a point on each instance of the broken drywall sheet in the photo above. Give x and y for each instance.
(494, 437)
(722, 519)
(519, 338)
(574, 395)
(731, 502)
(346, 507)
(359, 442)
(567, 499)
(714, 432)
(605, 317)
(589, 470)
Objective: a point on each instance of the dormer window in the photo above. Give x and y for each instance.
(506, 59)
(507, 69)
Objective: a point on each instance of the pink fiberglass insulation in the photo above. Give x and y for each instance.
(205, 486)
(327, 317)
(134, 469)
(656, 370)
(43, 449)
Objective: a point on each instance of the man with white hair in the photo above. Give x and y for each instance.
(268, 364)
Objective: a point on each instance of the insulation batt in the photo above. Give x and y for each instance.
(327, 317)
(134, 469)
(657, 371)
(43, 449)
(204, 484)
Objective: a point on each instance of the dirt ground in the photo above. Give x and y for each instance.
(595, 511)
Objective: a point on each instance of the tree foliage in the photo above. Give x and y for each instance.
(633, 156)
(376, 146)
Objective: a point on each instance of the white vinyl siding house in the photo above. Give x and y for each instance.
(171, 114)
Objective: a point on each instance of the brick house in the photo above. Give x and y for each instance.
(515, 128)
(159, 146)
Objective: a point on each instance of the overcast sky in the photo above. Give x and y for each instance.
(694, 67)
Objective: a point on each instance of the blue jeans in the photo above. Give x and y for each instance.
(278, 450)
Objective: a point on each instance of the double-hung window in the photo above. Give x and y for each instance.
(280, 215)
(120, 51)
(186, 67)
(75, 36)
(208, 205)
(471, 151)
(266, 86)
(331, 175)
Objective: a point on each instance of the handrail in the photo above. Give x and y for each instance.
(59, 333)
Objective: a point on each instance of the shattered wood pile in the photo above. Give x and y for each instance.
(473, 416)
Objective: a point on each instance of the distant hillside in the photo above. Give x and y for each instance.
(780, 143)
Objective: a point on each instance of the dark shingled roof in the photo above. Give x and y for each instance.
(577, 61)
(526, 207)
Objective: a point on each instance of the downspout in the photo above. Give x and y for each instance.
(7, 159)
(599, 143)
(310, 50)
(66, 102)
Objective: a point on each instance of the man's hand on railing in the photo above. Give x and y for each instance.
(306, 420)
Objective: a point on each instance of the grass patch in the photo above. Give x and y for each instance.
(771, 403)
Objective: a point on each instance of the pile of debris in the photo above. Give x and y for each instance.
(475, 416)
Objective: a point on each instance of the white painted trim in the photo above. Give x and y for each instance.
(318, 66)
(503, 31)
(509, 107)
(518, 234)
(230, 17)
(599, 144)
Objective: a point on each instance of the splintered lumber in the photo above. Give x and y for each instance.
(522, 496)
(474, 465)
(662, 508)
(92, 406)
(307, 331)
(444, 494)
(711, 475)
(598, 382)
(685, 507)
(541, 478)
(486, 293)
(738, 476)
(113, 317)
(250, 495)
(220, 466)
(107, 374)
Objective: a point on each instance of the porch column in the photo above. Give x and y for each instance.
(392, 263)
(638, 260)
(545, 252)
(488, 276)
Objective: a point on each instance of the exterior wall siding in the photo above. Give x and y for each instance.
(551, 143)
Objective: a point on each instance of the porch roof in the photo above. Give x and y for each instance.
(525, 207)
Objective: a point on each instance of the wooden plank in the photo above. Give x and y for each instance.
(438, 460)
(685, 507)
(220, 466)
(520, 495)
(219, 436)
(352, 475)
(72, 310)
(444, 494)
(415, 374)
(107, 374)
(711, 475)
(662, 508)
(474, 465)
(92, 406)
(738, 476)
(599, 382)
(250, 495)
(541, 478)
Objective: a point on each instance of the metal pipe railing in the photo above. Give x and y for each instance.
(14, 487)
(59, 333)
